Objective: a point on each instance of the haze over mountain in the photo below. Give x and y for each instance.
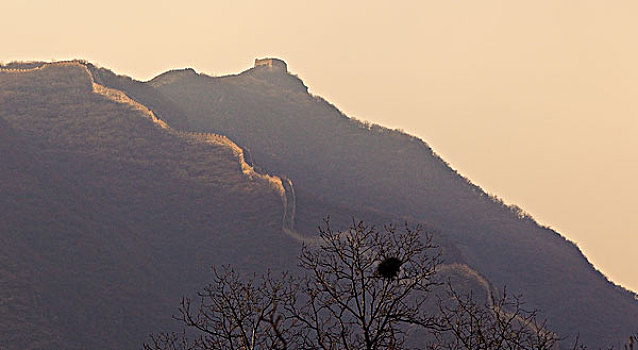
(108, 216)
(118, 194)
(534, 101)
(289, 131)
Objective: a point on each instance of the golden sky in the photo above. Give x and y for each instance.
(535, 101)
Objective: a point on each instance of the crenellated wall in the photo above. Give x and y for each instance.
(271, 63)
(41, 65)
(118, 96)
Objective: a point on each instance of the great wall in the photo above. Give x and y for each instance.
(271, 63)
(282, 185)
(284, 188)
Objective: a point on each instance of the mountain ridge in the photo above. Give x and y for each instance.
(172, 76)
(248, 124)
(363, 165)
(111, 222)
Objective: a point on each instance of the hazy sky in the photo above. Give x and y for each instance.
(535, 101)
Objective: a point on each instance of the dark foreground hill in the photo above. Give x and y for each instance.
(358, 165)
(110, 212)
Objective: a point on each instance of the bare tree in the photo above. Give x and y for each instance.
(357, 289)
(362, 285)
(233, 314)
(464, 324)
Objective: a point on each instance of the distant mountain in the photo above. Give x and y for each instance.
(365, 166)
(117, 195)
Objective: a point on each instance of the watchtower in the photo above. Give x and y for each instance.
(271, 63)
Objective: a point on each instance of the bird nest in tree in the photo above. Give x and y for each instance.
(389, 267)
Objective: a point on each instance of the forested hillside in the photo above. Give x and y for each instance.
(108, 217)
(118, 195)
(365, 166)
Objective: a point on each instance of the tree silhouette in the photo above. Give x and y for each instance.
(354, 296)
(462, 323)
(362, 288)
(234, 314)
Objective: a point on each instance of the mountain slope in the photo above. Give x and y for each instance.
(367, 167)
(163, 108)
(108, 216)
